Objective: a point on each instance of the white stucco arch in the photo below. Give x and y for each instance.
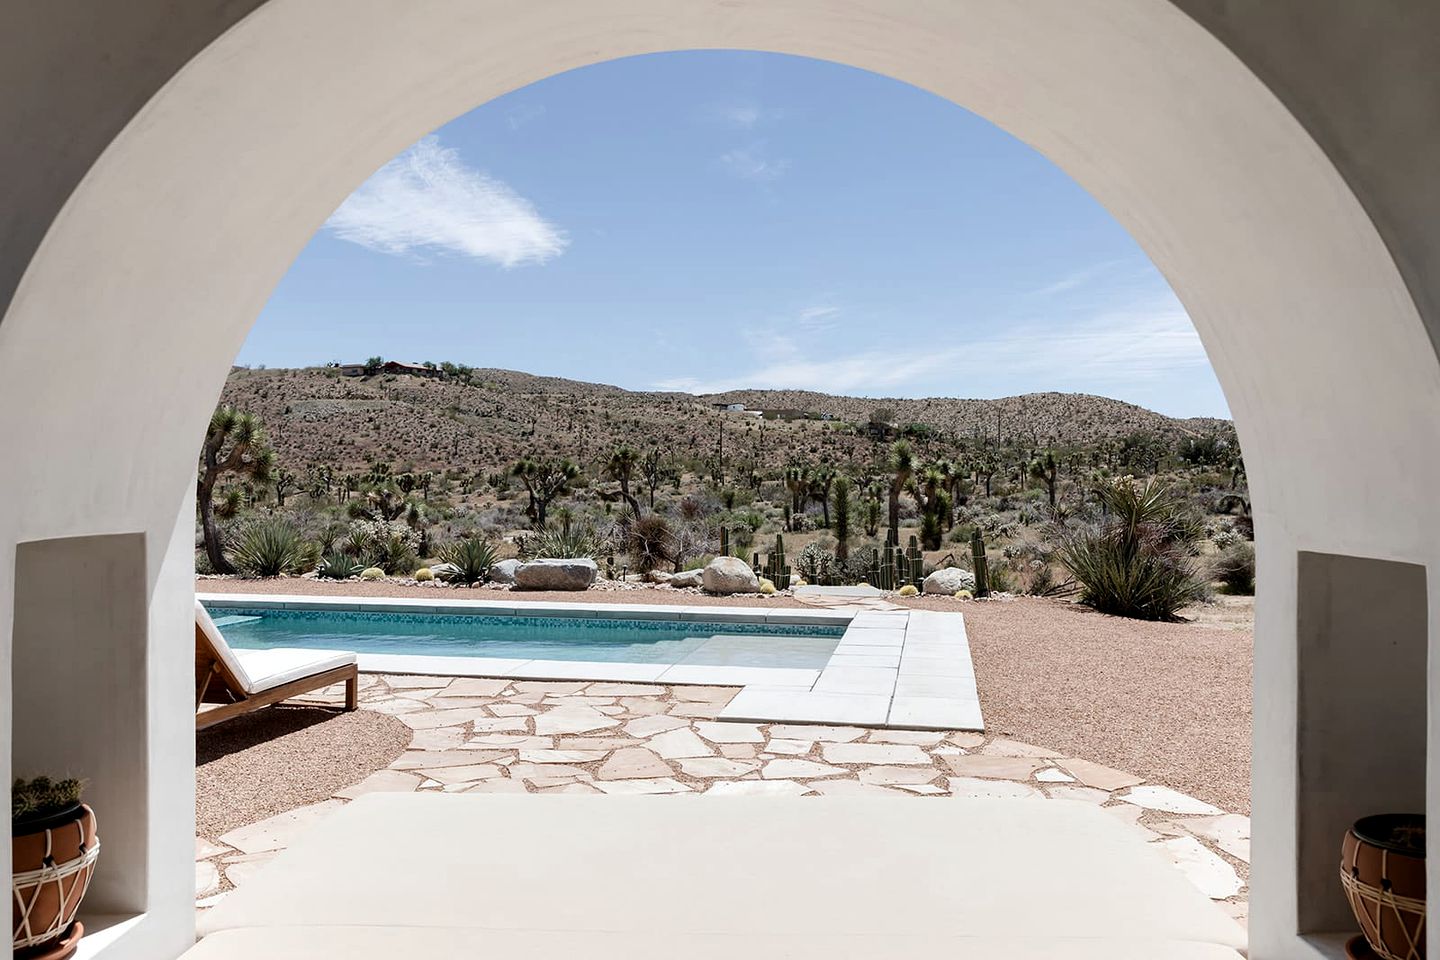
(148, 279)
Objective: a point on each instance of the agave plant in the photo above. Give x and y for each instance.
(568, 541)
(272, 546)
(339, 565)
(472, 557)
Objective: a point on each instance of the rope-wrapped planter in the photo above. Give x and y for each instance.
(1382, 871)
(53, 859)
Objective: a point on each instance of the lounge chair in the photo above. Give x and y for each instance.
(243, 681)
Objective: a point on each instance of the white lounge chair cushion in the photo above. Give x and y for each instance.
(534, 876)
(265, 669)
(261, 670)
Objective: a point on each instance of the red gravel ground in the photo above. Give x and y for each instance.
(1166, 701)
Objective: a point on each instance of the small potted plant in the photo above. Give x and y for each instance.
(1382, 871)
(54, 848)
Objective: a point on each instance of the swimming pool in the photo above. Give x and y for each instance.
(560, 638)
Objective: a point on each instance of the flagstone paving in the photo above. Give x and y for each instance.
(477, 735)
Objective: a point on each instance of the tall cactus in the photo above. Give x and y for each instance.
(980, 564)
(777, 571)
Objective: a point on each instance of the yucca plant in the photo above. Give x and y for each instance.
(1135, 563)
(394, 554)
(473, 557)
(338, 565)
(568, 541)
(271, 546)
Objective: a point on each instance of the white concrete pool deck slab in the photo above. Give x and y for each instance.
(907, 669)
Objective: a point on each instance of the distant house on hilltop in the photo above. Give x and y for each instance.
(729, 407)
(390, 366)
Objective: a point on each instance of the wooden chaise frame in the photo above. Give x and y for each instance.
(215, 683)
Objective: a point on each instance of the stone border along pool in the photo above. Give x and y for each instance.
(902, 669)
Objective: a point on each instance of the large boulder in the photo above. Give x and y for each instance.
(949, 580)
(690, 578)
(729, 575)
(504, 571)
(445, 571)
(567, 574)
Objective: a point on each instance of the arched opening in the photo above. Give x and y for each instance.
(1252, 225)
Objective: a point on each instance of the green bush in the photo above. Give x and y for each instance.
(271, 546)
(1235, 568)
(816, 564)
(338, 565)
(473, 557)
(566, 542)
(1135, 563)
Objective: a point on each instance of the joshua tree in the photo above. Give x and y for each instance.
(234, 444)
(285, 482)
(1045, 470)
(797, 481)
(842, 517)
(870, 508)
(820, 482)
(544, 481)
(902, 468)
(621, 468)
(654, 471)
(929, 491)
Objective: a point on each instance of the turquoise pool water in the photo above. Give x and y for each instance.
(532, 638)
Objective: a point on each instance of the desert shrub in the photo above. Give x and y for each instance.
(650, 543)
(271, 546)
(1225, 539)
(1135, 563)
(815, 563)
(473, 557)
(338, 565)
(1042, 580)
(568, 541)
(1235, 568)
(394, 554)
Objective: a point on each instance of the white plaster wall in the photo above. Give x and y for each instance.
(149, 278)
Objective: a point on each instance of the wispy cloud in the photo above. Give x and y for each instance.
(817, 318)
(428, 201)
(1085, 276)
(1142, 343)
(747, 116)
(522, 114)
(754, 162)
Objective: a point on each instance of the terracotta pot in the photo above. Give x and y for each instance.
(1382, 871)
(53, 859)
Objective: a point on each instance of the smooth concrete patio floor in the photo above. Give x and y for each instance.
(720, 876)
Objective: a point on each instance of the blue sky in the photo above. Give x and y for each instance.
(720, 219)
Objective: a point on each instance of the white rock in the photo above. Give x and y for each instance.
(1170, 801)
(690, 578)
(949, 580)
(565, 574)
(504, 571)
(729, 575)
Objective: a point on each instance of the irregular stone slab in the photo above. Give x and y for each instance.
(1014, 748)
(853, 788)
(497, 786)
(676, 744)
(1131, 815)
(874, 753)
(641, 707)
(277, 832)
(1153, 797)
(624, 690)
(1086, 794)
(443, 738)
(792, 748)
(634, 763)
(738, 751)
(562, 756)
(402, 682)
(475, 687)
(1003, 768)
(718, 732)
(1102, 778)
(649, 726)
(381, 781)
(924, 789)
(204, 849)
(424, 759)
(571, 788)
(572, 720)
(578, 700)
(966, 740)
(207, 878)
(239, 873)
(475, 771)
(801, 731)
(788, 769)
(704, 768)
(726, 575)
(396, 706)
(992, 789)
(706, 694)
(657, 786)
(895, 776)
(1215, 878)
(1054, 775)
(920, 738)
(758, 788)
(556, 574)
(500, 725)
(515, 741)
(702, 710)
(512, 710)
(557, 688)
(1230, 832)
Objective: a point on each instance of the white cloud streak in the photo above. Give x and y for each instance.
(1141, 344)
(754, 163)
(428, 201)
